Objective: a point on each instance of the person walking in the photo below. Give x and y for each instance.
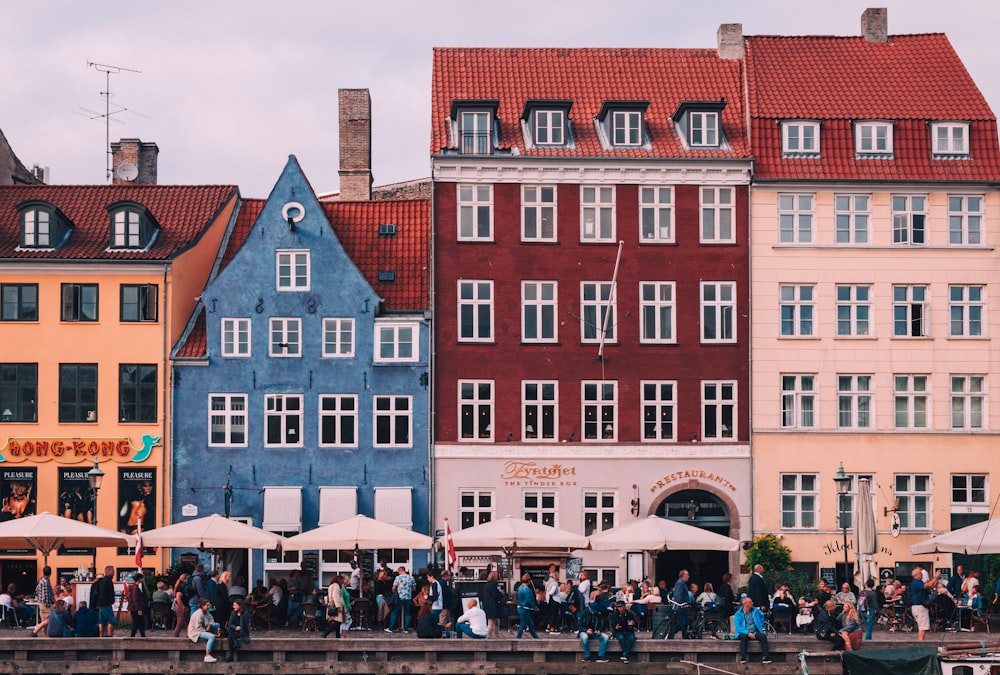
(136, 595)
(105, 594)
(525, 606)
(46, 598)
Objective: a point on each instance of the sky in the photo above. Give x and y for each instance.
(229, 88)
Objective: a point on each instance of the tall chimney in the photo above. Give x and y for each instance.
(875, 24)
(355, 144)
(730, 36)
(133, 162)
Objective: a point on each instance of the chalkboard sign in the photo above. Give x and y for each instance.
(368, 564)
(945, 573)
(574, 566)
(885, 573)
(310, 563)
(829, 575)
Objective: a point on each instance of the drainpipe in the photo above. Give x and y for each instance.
(166, 396)
(431, 352)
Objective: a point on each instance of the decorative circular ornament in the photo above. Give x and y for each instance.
(894, 525)
(289, 208)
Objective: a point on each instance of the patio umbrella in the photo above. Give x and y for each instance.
(47, 532)
(865, 536)
(661, 534)
(975, 539)
(510, 534)
(359, 532)
(213, 531)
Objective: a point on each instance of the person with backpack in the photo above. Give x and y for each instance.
(104, 596)
(869, 607)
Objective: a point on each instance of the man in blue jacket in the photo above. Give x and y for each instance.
(749, 624)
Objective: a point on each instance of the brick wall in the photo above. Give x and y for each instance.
(355, 118)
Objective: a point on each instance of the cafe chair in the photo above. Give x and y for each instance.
(310, 621)
(160, 615)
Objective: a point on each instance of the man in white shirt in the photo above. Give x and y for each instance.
(354, 584)
(473, 622)
(584, 587)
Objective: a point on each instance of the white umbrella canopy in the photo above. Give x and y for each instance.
(865, 536)
(47, 532)
(359, 532)
(213, 531)
(979, 538)
(514, 533)
(661, 534)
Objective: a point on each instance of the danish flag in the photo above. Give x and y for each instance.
(450, 543)
(138, 546)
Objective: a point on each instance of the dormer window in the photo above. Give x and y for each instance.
(800, 137)
(704, 129)
(545, 122)
(950, 138)
(873, 138)
(132, 226)
(624, 123)
(41, 225)
(699, 123)
(475, 125)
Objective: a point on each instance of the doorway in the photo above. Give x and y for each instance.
(22, 573)
(700, 509)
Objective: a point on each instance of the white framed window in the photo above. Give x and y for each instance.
(909, 219)
(392, 421)
(656, 215)
(968, 401)
(538, 213)
(910, 311)
(718, 215)
(236, 337)
(659, 410)
(657, 312)
(795, 218)
(599, 509)
(475, 507)
(338, 420)
(286, 337)
(475, 410)
(283, 420)
(539, 304)
(798, 401)
(800, 138)
(703, 129)
(914, 494)
(966, 309)
(970, 492)
(396, 342)
(126, 229)
(718, 410)
(845, 515)
(549, 127)
(950, 138)
(854, 401)
(853, 217)
(598, 312)
(600, 410)
(540, 507)
(475, 212)
(626, 127)
(36, 229)
(338, 337)
(799, 498)
(911, 401)
(475, 132)
(540, 406)
(227, 420)
(718, 311)
(854, 310)
(475, 310)
(597, 213)
(965, 220)
(292, 270)
(797, 310)
(873, 138)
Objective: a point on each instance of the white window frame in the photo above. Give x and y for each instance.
(397, 341)
(873, 137)
(658, 408)
(287, 410)
(799, 499)
(475, 204)
(38, 228)
(852, 213)
(798, 401)
(799, 137)
(972, 491)
(719, 403)
(965, 220)
(539, 213)
(479, 513)
(911, 401)
(540, 301)
(545, 509)
(475, 132)
(475, 302)
(717, 206)
(797, 310)
(950, 138)
(656, 214)
(855, 401)
(966, 310)
(284, 337)
(126, 228)
(600, 511)
(476, 405)
(235, 337)
(910, 311)
(599, 410)
(292, 270)
(909, 220)
(597, 299)
(230, 414)
(392, 414)
(657, 312)
(908, 491)
(703, 129)
(549, 127)
(854, 311)
(540, 400)
(597, 213)
(796, 214)
(718, 311)
(626, 128)
(968, 402)
(339, 415)
(338, 337)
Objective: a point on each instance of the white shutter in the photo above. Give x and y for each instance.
(337, 504)
(394, 505)
(283, 509)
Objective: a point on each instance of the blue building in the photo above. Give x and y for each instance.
(301, 382)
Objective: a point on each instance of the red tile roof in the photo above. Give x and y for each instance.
(193, 343)
(183, 213)
(249, 212)
(588, 77)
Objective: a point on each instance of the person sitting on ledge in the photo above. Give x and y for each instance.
(749, 624)
(86, 621)
(203, 626)
(472, 622)
(60, 621)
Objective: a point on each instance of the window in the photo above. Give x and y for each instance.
(908, 219)
(227, 419)
(658, 410)
(798, 401)
(911, 401)
(539, 303)
(36, 229)
(910, 313)
(704, 129)
(717, 215)
(914, 494)
(236, 337)
(78, 392)
(338, 420)
(798, 500)
(293, 268)
(475, 133)
(657, 311)
(795, 218)
(965, 220)
(600, 405)
(950, 138)
(718, 410)
(476, 507)
(656, 215)
(970, 490)
(540, 507)
(800, 138)
(966, 311)
(599, 507)
(718, 310)
(475, 212)
(18, 392)
(393, 421)
(549, 127)
(138, 302)
(854, 401)
(854, 311)
(286, 337)
(598, 314)
(20, 302)
(853, 213)
(283, 420)
(873, 138)
(968, 401)
(475, 410)
(126, 229)
(541, 410)
(845, 509)
(396, 342)
(538, 213)
(597, 213)
(475, 311)
(626, 127)
(797, 310)
(137, 392)
(338, 337)
(79, 302)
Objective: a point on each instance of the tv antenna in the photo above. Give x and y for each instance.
(108, 71)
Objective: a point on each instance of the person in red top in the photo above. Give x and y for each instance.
(137, 605)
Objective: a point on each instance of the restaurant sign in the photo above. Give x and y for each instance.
(18, 450)
(532, 474)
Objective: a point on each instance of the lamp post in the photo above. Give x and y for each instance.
(843, 485)
(95, 477)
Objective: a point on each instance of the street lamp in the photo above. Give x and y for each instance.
(95, 477)
(843, 485)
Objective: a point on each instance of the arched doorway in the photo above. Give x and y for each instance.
(700, 509)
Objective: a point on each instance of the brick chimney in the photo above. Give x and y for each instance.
(132, 152)
(355, 144)
(730, 36)
(875, 24)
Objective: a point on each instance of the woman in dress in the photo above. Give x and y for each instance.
(334, 606)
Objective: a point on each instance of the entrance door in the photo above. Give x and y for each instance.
(22, 573)
(700, 509)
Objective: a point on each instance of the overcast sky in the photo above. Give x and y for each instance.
(229, 88)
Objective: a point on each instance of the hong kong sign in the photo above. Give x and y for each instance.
(18, 450)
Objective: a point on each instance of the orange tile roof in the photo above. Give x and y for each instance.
(249, 212)
(588, 77)
(194, 342)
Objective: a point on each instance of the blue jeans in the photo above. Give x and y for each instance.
(403, 603)
(585, 639)
(627, 642)
(465, 629)
(210, 637)
(869, 617)
(526, 622)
